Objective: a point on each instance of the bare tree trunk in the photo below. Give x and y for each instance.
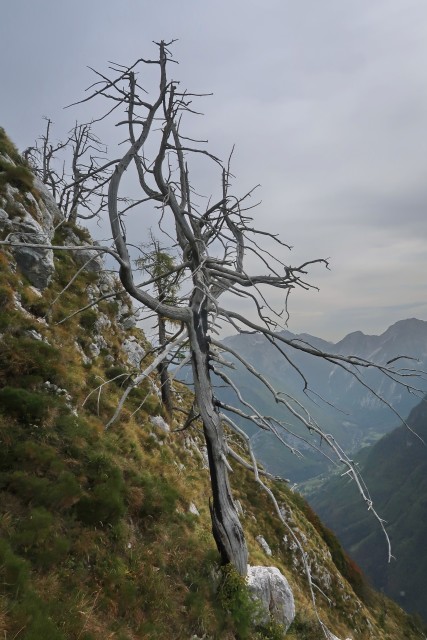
(226, 527)
(165, 383)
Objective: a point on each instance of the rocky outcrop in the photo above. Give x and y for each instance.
(87, 258)
(31, 217)
(269, 587)
(133, 351)
(27, 219)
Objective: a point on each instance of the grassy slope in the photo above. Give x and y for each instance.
(96, 537)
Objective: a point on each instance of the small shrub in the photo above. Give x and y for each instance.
(25, 405)
(8, 148)
(14, 570)
(72, 428)
(35, 304)
(35, 529)
(65, 492)
(271, 631)
(105, 503)
(118, 374)
(16, 175)
(33, 455)
(6, 296)
(236, 603)
(159, 496)
(21, 355)
(33, 620)
(29, 488)
(82, 234)
(87, 319)
(304, 627)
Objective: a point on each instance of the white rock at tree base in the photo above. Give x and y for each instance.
(269, 587)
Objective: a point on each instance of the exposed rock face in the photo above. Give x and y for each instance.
(158, 421)
(269, 587)
(32, 220)
(51, 215)
(36, 227)
(134, 351)
(91, 260)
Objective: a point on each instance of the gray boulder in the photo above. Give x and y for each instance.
(269, 587)
(133, 351)
(31, 220)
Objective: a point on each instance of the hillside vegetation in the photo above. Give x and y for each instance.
(107, 534)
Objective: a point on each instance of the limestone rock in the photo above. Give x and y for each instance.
(30, 220)
(51, 214)
(158, 421)
(193, 509)
(90, 259)
(264, 545)
(134, 352)
(269, 587)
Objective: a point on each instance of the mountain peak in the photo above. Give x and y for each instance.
(408, 325)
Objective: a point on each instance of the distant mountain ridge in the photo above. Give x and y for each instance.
(361, 418)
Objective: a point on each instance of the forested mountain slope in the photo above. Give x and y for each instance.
(395, 470)
(106, 534)
(339, 403)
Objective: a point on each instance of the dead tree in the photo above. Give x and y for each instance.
(160, 265)
(213, 242)
(218, 251)
(71, 170)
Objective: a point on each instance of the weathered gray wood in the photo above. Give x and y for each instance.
(226, 527)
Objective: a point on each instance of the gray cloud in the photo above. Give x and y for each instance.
(326, 102)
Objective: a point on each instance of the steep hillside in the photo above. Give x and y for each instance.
(395, 470)
(106, 534)
(345, 408)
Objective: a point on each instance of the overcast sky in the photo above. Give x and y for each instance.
(326, 101)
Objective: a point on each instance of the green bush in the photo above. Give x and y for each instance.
(35, 529)
(88, 318)
(28, 487)
(104, 504)
(34, 456)
(6, 296)
(117, 373)
(8, 148)
(18, 176)
(65, 492)
(236, 603)
(25, 405)
(72, 429)
(160, 496)
(33, 620)
(38, 306)
(21, 355)
(271, 631)
(14, 571)
(304, 627)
